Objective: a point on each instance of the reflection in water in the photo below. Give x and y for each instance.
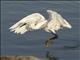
(50, 57)
(71, 47)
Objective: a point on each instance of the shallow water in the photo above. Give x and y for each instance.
(32, 43)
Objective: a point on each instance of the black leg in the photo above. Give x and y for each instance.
(51, 39)
(54, 37)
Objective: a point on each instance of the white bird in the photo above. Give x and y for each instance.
(37, 21)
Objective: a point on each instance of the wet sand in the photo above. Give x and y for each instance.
(19, 58)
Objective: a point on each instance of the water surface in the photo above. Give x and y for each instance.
(32, 43)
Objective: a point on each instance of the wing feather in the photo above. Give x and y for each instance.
(28, 23)
(56, 21)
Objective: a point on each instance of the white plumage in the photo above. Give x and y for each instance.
(37, 21)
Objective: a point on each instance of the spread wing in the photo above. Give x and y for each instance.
(56, 21)
(28, 23)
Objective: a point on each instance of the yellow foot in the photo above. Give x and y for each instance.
(48, 43)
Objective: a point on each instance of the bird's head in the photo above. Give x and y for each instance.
(51, 12)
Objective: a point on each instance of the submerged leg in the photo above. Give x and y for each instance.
(51, 39)
(50, 56)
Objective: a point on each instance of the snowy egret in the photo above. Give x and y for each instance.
(37, 21)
